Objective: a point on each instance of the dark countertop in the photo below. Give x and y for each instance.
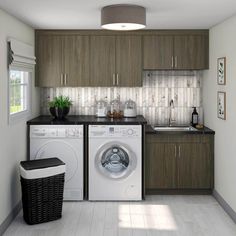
(84, 119)
(205, 130)
(74, 120)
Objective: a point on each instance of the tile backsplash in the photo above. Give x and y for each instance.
(159, 87)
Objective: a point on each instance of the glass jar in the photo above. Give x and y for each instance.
(101, 108)
(130, 109)
(115, 110)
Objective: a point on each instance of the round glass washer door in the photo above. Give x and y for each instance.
(115, 160)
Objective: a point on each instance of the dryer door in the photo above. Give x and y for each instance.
(115, 160)
(64, 151)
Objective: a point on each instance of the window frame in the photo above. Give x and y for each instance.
(21, 115)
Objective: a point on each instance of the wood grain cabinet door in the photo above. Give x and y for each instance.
(76, 60)
(206, 166)
(194, 166)
(160, 170)
(102, 61)
(158, 52)
(191, 52)
(49, 67)
(129, 61)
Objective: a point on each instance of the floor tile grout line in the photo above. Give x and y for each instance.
(91, 223)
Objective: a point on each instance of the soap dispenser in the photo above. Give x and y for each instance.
(194, 117)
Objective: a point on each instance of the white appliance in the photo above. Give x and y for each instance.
(115, 162)
(66, 143)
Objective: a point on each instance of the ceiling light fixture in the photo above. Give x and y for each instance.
(123, 17)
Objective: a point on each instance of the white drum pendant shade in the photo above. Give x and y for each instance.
(123, 17)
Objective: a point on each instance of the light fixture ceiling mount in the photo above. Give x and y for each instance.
(123, 17)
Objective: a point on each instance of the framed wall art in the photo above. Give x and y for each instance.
(221, 105)
(221, 71)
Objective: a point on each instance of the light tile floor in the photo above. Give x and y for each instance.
(157, 215)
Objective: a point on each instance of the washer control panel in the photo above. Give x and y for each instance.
(115, 131)
(56, 131)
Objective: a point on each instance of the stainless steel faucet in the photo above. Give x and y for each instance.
(171, 119)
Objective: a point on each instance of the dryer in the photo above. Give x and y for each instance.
(66, 143)
(115, 162)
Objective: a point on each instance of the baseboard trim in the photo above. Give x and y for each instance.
(10, 218)
(225, 205)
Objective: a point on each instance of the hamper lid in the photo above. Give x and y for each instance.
(42, 163)
(41, 168)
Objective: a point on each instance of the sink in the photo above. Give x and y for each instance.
(174, 128)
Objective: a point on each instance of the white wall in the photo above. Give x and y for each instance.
(223, 43)
(12, 137)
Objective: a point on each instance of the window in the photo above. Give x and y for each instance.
(21, 61)
(19, 94)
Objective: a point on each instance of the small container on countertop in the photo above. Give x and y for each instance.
(130, 109)
(115, 110)
(101, 108)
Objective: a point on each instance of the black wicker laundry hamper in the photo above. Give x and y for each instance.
(42, 184)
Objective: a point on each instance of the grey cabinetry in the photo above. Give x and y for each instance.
(176, 52)
(62, 60)
(195, 166)
(129, 61)
(191, 52)
(76, 60)
(116, 61)
(176, 162)
(102, 58)
(102, 61)
(158, 52)
(160, 169)
(49, 63)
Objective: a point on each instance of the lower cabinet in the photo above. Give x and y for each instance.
(160, 165)
(179, 162)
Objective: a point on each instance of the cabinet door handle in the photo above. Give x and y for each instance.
(175, 151)
(65, 80)
(114, 79)
(179, 150)
(61, 79)
(172, 61)
(117, 79)
(176, 61)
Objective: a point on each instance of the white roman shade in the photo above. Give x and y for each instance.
(20, 54)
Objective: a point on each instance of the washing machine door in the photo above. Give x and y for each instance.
(115, 160)
(64, 151)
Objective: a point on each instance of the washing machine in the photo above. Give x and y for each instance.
(66, 143)
(115, 162)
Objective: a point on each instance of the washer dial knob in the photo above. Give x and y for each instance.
(130, 131)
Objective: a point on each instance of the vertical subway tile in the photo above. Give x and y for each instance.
(159, 87)
(181, 97)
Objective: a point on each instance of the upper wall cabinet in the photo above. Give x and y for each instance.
(62, 60)
(102, 62)
(158, 52)
(176, 52)
(49, 61)
(116, 61)
(129, 61)
(191, 52)
(76, 58)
